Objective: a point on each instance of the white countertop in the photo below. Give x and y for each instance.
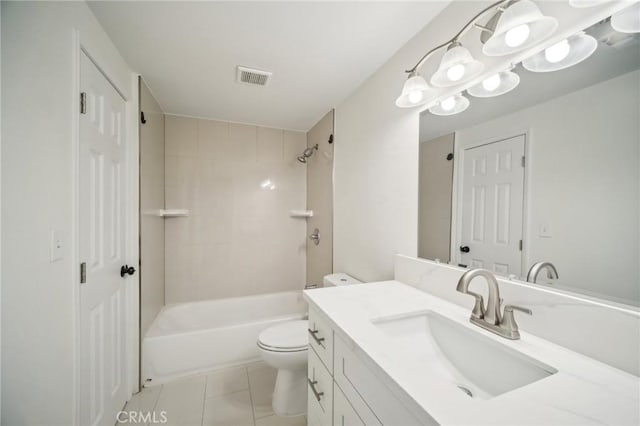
(583, 391)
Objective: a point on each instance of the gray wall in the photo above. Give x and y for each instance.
(434, 203)
(151, 199)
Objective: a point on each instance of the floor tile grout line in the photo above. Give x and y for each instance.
(253, 412)
(155, 403)
(222, 395)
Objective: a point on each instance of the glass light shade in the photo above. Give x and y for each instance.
(520, 26)
(452, 105)
(586, 3)
(457, 66)
(496, 85)
(627, 20)
(581, 46)
(415, 92)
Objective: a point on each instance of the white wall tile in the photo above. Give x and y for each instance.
(270, 144)
(238, 239)
(294, 144)
(242, 143)
(213, 138)
(181, 135)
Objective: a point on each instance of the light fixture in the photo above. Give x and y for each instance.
(495, 85)
(457, 66)
(627, 20)
(563, 54)
(415, 92)
(452, 105)
(520, 26)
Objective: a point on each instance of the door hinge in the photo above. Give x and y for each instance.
(83, 272)
(523, 161)
(142, 119)
(520, 245)
(83, 103)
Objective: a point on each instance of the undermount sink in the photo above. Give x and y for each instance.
(473, 362)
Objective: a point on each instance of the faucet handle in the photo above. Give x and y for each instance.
(478, 307)
(509, 322)
(511, 308)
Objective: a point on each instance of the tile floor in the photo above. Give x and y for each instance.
(237, 396)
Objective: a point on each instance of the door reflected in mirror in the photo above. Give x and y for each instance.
(543, 182)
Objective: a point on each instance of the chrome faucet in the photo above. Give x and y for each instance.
(532, 275)
(490, 318)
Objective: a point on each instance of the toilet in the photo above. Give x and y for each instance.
(284, 347)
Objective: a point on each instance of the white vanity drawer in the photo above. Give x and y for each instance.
(372, 400)
(321, 338)
(319, 392)
(343, 413)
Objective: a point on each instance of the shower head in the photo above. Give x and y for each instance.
(307, 153)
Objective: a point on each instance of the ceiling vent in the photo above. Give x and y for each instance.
(252, 76)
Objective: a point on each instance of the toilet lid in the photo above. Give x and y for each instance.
(288, 336)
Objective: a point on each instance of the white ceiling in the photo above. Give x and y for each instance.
(319, 52)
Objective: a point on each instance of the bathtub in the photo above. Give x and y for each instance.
(194, 337)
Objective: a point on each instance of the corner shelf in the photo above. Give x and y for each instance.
(167, 213)
(301, 213)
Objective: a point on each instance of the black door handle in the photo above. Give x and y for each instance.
(127, 270)
(464, 249)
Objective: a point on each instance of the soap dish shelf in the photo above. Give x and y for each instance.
(301, 213)
(168, 213)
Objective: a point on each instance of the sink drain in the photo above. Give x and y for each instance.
(466, 390)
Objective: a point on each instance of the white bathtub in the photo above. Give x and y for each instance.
(188, 338)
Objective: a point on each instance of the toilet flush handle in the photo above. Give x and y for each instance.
(315, 236)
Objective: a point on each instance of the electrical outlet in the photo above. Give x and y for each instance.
(545, 231)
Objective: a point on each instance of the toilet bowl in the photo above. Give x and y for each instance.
(284, 347)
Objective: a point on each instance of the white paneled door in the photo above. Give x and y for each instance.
(102, 248)
(492, 206)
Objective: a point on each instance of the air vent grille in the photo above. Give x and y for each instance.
(252, 76)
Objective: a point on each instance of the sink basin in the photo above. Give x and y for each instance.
(478, 365)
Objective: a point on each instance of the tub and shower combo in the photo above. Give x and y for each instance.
(194, 337)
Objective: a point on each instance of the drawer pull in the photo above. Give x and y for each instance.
(313, 384)
(313, 333)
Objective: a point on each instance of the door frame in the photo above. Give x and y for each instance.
(79, 46)
(459, 149)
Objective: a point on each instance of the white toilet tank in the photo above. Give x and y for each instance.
(334, 280)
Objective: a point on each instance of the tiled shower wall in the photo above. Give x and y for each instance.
(239, 183)
(152, 173)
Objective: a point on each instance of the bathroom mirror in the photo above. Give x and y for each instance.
(549, 172)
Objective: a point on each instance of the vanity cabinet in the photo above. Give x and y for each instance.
(342, 391)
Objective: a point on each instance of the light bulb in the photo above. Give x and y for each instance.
(415, 96)
(448, 104)
(517, 35)
(490, 84)
(456, 72)
(557, 52)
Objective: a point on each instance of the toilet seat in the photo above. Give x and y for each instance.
(290, 336)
